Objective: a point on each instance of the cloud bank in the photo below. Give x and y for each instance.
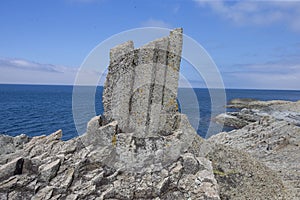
(20, 71)
(270, 75)
(259, 13)
(155, 23)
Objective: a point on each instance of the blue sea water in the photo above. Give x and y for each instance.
(40, 109)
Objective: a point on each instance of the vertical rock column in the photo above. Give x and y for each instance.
(141, 86)
(141, 91)
(158, 85)
(170, 87)
(118, 84)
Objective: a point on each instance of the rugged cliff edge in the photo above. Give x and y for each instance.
(140, 148)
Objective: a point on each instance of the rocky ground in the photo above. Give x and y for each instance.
(259, 161)
(47, 168)
(177, 166)
(250, 110)
(270, 134)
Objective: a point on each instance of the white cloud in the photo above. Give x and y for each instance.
(271, 75)
(20, 71)
(257, 12)
(22, 64)
(264, 81)
(155, 23)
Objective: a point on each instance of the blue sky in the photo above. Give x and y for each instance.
(255, 44)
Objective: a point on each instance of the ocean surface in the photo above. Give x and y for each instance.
(38, 109)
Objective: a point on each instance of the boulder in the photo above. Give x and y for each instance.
(12, 168)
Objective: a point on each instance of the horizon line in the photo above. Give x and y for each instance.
(226, 88)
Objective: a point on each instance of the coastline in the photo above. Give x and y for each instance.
(17, 101)
(269, 131)
(263, 157)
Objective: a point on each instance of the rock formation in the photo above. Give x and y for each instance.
(251, 110)
(141, 86)
(273, 138)
(140, 148)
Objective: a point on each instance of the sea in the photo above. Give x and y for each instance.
(43, 109)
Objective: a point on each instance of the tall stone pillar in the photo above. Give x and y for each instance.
(141, 86)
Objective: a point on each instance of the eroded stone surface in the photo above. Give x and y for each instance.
(141, 87)
(273, 138)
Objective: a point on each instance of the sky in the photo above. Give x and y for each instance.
(254, 44)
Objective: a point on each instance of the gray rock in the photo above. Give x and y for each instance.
(54, 136)
(190, 163)
(118, 84)
(231, 120)
(68, 178)
(72, 197)
(12, 168)
(19, 195)
(3, 196)
(253, 103)
(242, 177)
(141, 86)
(100, 136)
(253, 110)
(44, 194)
(274, 140)
(10, 144)
(48, 171)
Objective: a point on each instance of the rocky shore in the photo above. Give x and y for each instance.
(143, 148)
(270, 133)
(250, 110)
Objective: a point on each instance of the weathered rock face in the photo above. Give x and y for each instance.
(273, 139)
(141, 86)
(11, 144)
(241, 176)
